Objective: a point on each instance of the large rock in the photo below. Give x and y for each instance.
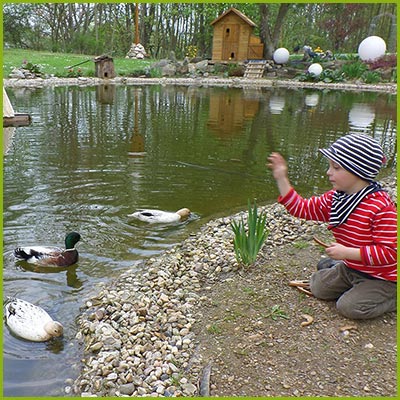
(17, 74)
(202, 66)
(168, 70)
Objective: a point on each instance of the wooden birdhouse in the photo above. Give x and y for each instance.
(104, 67)
(233, 38)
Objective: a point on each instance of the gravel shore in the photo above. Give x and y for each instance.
(155, 332)
(200, 81)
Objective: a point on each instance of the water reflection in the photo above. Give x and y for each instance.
(105, 94)
(72, 279)
(94, 155)
(8, 134)
(229, 111)
(361, 117)
(276, 104)
(312, 99)
(137, 148)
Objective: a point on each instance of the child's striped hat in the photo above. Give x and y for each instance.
(359, 154)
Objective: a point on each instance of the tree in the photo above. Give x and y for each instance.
(99, 28)
(341, 22)
(269, 32)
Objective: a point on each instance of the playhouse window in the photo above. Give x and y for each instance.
(227, 31)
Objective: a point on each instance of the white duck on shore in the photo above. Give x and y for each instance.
(30, 322)
(161, 217)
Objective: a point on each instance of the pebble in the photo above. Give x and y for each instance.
(137, 331)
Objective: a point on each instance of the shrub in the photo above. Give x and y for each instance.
(247, 243)
(329, 75)
(354, 70)
(371, 77)
(235, 70)
(74, 73)
(155, 73)
(191, 51)
(387, 61)
(35, 69)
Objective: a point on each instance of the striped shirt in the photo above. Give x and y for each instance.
(371, 227)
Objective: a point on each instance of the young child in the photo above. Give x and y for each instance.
(361, 272)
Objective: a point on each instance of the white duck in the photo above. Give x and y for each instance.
(161, 217)
(29, 321)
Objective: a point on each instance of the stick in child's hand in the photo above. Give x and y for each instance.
(320, 243)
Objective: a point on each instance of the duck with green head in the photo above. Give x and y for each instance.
(51, 256)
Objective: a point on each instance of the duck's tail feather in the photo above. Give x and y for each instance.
(21, 254)
(9, 299)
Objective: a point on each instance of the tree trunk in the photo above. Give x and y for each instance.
(269, 34)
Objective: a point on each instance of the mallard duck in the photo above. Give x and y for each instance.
(29, 321)
(163, 217)
(51, 256)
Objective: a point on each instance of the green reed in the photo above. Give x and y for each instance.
(249, 240)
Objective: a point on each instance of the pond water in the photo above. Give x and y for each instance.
(93, 155)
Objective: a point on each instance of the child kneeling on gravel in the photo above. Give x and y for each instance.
(361, 271)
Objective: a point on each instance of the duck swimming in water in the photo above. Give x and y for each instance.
(30, 322)
(51, 256)
(162, 217)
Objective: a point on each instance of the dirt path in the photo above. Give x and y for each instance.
(251, 334)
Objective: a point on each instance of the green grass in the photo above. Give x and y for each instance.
(56, 63)
(301, 244)
(214, 329)
(276, 312)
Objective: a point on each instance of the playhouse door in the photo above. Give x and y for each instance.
(230, 42)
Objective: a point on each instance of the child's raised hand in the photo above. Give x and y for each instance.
(278, 166)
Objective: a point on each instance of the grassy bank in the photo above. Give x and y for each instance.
(57, 63)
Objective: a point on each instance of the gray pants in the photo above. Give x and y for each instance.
(357, 296)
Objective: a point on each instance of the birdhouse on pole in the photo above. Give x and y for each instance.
(104, 67)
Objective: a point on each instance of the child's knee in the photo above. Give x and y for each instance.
(320, 289)
(357, 310)
(348, 310)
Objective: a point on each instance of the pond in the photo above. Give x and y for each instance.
(94, 155)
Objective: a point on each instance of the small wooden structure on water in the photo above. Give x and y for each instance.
(11, 121)
(233, 38)
(10, 118)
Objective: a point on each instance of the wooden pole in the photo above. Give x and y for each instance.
(137, 23)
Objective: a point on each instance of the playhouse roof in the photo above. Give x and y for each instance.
(238, 13)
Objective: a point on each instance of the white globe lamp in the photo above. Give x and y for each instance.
(281, 55)
(371, 48)
(315, 69)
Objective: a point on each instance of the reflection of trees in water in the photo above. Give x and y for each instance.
(176, 122)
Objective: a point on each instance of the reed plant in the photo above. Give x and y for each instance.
(249, 239)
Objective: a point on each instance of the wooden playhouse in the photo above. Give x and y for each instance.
(233, 38)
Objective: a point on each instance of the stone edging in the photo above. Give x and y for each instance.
(209, 81)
